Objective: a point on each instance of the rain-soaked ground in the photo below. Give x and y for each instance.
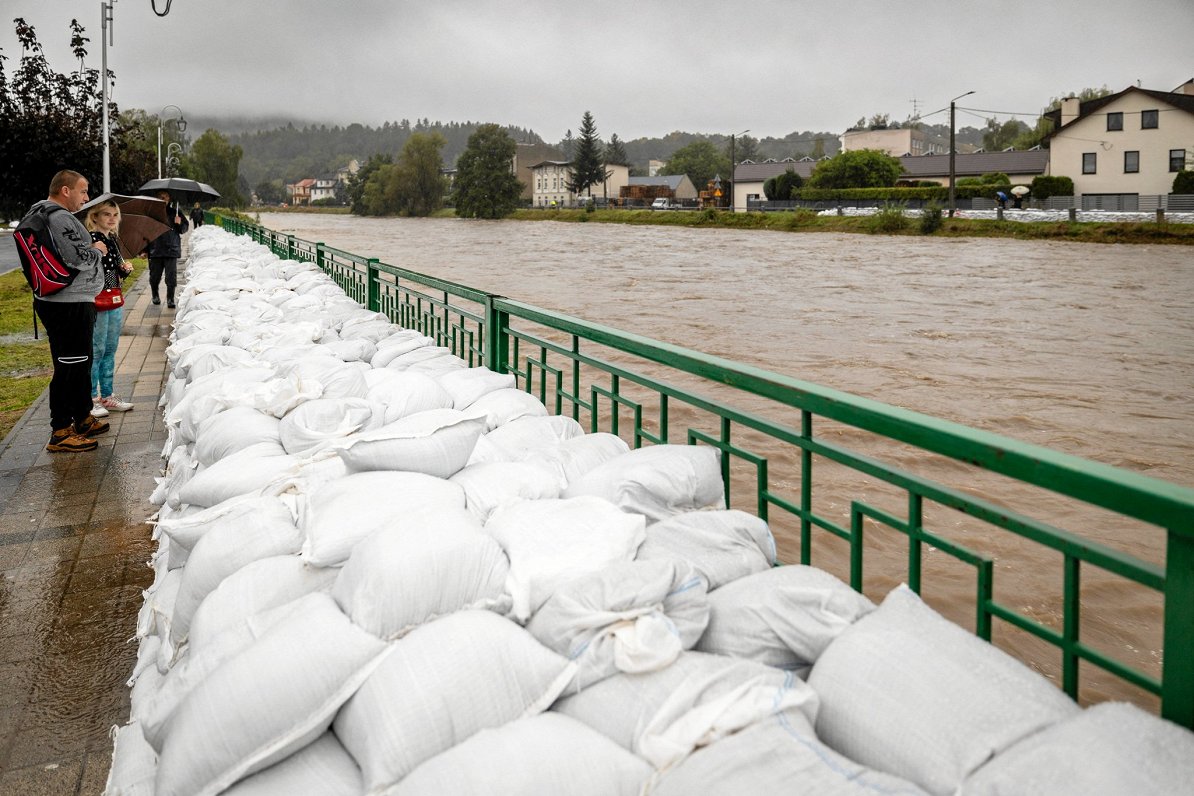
(74, 549)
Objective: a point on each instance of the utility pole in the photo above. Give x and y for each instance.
(952, 151)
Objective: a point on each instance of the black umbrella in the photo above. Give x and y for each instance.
(181, 190)
(141, 220)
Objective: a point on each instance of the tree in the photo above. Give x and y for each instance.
(781, 187)
(270, 192)
(51, 121)
(485, 184)
(568, 145)
(420, 183)
(859, 168)
(1043, 186)
(588, 165)
(615, 152)
(745, 148)
(216, 162)
(998, 137)
(700, 160)
(358, 182)
(1183, 182)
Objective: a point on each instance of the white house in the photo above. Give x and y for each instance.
(896, 141)
(549, 183)
(1130, 143)
(324, 187)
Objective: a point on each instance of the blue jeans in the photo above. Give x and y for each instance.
(104, 340)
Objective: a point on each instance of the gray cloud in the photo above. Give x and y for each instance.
(643, 67)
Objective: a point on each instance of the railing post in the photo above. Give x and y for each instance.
(371, 293)
(319, 256)
(290, 248)
(1073, 214)
(1177, 676)
(497, 344)
(1160, 216)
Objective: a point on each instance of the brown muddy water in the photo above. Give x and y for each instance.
(1087, 349)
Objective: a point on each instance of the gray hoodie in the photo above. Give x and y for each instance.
(74, 244)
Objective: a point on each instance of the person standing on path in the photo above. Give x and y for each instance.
(103, 221)
(69, 316)
(197, 216)
(164, 251)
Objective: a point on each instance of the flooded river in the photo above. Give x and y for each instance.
(1084, 348)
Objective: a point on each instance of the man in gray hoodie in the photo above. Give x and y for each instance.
(69, 316)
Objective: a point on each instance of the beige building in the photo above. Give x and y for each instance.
(895, 142)
(1130, 143)
(549, 183)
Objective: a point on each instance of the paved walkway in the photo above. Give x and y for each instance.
(74, 549)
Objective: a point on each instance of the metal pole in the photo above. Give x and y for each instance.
(952, 151)
(732, 209)
(159, 148)
(106, 25)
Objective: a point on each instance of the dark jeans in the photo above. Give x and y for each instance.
(159, 266)
(68, 326)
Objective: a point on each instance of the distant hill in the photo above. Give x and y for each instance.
(287, 150)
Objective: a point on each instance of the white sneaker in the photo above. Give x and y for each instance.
(114, 404)
(98, 409)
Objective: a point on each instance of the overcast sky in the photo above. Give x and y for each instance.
(642, 67)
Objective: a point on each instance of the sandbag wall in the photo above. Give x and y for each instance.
(381, 571)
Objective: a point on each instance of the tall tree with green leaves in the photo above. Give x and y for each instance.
(588, 164)
(357, 183)
(216, 162)
(701, 161)
(615, 152)
(421, 183)
(485, 183)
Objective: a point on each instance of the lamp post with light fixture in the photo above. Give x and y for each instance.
(733, 167)
(180, 124)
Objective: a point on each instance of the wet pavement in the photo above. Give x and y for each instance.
(74, 552)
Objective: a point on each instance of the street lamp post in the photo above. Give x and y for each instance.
(952, 151)
(180, 124)
(106, 24)
(733, 167)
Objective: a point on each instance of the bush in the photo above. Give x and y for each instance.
(930, 218)
(1043, 186)
(1183, 182)
(890, 219)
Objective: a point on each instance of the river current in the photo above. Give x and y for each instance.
(1084, 348)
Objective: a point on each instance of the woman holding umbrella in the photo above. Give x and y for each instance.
(103, 221)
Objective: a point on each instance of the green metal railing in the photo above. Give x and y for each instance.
(672, 394)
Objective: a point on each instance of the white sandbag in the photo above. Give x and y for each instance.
(434, 366)
(222, 551)
(395, 346)
(233, 430)
(147, 685)
(339, 379)
(351, 350)
(636, 616)
(257, 586)
(343, 512)
(323, 768)
(195, 665)
(419, 355)
(466, 386)
(184, 530)
(206, 396)
(549, 542)
(1108, 749)
(437, 442)
(405, 393)
(154, 617)
(905, 691)
(268, 702)
(371, 326)
(441, 684)
(503, 405)
(570, 459)
(201, 361)
(658, 481)
(784, 617)
(134, 764)
(490, 484)
(704, 696)
(242, 473)
(723, 545)
(396, 580)
(516, 440)
(312, 425)
(778, 754)
(544, 754)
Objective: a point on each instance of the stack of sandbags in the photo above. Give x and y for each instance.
(382, 571)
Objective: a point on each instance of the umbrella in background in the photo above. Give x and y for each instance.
(141, 220)
(1020, 190)
(181, 190)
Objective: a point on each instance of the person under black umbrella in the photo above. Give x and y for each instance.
(165, 250)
